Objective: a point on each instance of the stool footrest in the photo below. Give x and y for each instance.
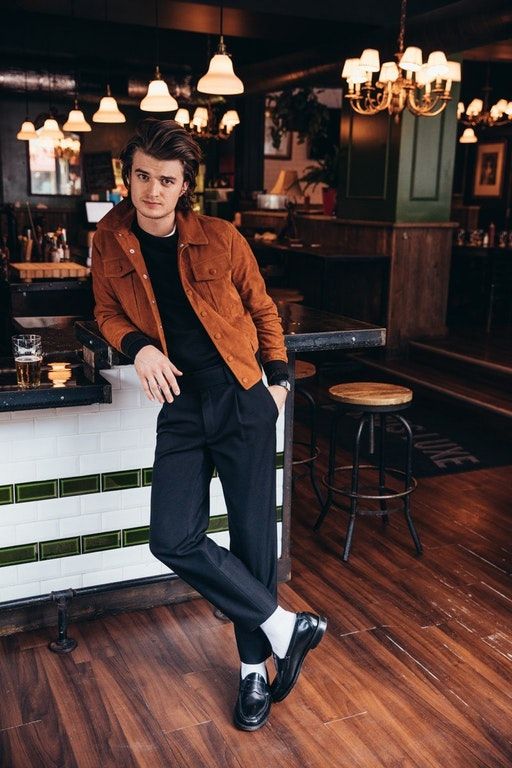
(344, 491)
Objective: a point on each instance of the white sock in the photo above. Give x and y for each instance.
(279, 629)
(247, 669)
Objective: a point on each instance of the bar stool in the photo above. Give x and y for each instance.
(371, 400)
(305, 371)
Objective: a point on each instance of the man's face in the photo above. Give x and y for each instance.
(155, 185)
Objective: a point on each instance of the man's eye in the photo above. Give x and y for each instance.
(167, 182)
(142, 176)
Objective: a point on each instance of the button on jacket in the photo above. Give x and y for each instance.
(221, 279)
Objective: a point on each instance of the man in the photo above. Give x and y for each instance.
(182, 295)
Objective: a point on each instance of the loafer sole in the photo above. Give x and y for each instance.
(315, 640)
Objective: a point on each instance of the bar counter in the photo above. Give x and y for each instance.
(75, 482)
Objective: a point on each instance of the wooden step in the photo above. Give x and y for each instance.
(490, 398)
(488, 360)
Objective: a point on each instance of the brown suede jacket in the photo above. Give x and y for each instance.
(220, 276)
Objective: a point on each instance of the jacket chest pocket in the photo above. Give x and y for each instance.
(212, 280)
(123, 278)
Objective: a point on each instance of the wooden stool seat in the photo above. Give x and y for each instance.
(304, 370)
(370, 394)
(286, 295)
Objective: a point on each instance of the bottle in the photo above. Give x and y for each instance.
(65, 246)
(492, 234)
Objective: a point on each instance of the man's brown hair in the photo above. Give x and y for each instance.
(165, 140)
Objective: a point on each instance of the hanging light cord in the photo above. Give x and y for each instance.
(157, 47)
(401, 34)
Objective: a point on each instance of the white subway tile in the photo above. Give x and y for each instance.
(99, 502)
(60, 425)
(20, 591)
(58, 508)
(8, 577)
(36, 448)
(135, 497)
(121, 518)
(33, 413)
(125, 399)
(128, 377)
(16, 471)
(77, 445)
(77, 526)
(14, 514)
(142, 417)
(81, 409)
(45, 569)
(7, 539)
(100, 422)
(5, 415)
(141, 570)
(72, 581)
(102, 577)
(145, 402)
(100, 462)
(42, 530)
(135, 458)
(118, 558)
(92, 561)
(119, 440)
(17, 430)
(63, 466)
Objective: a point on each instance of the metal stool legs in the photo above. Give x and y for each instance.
(384, 494)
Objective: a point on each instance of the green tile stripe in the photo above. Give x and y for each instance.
(95, 542)
(41, 490)
(6, 494)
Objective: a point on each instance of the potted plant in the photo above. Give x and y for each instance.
(326, 171)
(297, 110)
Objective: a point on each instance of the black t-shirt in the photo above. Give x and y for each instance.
(190, 348)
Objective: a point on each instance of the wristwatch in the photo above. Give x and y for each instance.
(282, 383)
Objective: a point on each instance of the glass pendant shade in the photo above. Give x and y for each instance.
(76, 122)
(182, 116)
(109, 111)
(50, 130)
(158, 98)
(27, 131)
(468, 137)
(220, 79)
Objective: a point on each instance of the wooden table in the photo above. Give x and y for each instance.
(29, 270)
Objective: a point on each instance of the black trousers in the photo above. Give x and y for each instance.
(215, 422)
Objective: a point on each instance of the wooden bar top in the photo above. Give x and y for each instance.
(29, 270)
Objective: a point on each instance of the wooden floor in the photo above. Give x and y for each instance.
(414, 672)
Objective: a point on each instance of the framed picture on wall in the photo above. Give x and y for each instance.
(489, 169)
(284, 151)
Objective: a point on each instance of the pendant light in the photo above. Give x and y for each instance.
(220, 79)
(158, 98)
(108, 111)
(76, 121)
(27, 130)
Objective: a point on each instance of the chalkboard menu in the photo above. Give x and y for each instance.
(98, 172)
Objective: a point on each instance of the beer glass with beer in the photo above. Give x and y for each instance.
(28, 356)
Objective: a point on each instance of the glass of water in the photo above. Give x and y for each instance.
(28, 356)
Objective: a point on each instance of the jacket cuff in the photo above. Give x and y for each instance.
(133, 343)
(276, 370)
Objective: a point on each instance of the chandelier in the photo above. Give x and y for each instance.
(480, 115)
(206, 122)
(422, 88)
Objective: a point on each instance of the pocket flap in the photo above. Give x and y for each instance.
(210, 268)
(117, 267)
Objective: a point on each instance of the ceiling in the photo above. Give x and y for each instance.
(274, 43)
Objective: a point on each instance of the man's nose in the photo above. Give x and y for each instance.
(154, 188)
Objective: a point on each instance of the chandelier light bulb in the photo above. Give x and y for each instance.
(182, 117)
(200, 117)
(474, 107)
(468, 137)
(460, 109)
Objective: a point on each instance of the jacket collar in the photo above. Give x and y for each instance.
(121, 216)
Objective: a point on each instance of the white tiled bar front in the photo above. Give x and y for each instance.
(55, 443)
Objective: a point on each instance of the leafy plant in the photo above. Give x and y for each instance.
(327, 171)
(297, 110)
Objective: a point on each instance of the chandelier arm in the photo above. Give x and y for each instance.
(431, 111)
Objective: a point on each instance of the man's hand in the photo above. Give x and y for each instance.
(279, 394)
(157, 374)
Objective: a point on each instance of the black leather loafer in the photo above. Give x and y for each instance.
(307, 633)
(253, 704)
